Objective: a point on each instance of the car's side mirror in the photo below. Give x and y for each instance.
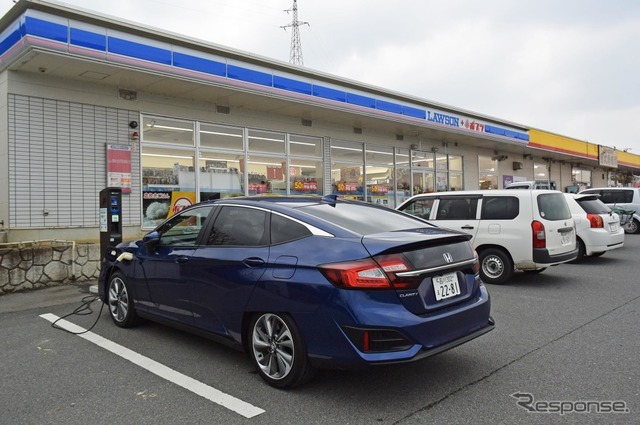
(151, 239)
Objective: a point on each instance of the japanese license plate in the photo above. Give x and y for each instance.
(614, 227)
(446, 286)
(566, 238)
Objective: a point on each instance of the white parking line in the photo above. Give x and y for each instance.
(245, 409)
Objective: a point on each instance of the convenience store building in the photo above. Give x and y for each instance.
(89, 101)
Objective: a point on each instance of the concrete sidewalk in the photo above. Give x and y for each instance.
(45, 297)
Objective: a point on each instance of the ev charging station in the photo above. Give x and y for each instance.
(110, 218)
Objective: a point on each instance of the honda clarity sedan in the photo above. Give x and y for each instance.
(301, 283)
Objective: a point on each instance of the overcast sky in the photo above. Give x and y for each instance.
(570, 67)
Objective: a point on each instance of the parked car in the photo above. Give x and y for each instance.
(526, 230)
(302, 283)
(627, 198)
(597, 227)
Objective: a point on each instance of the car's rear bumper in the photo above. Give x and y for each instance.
(430, 334)
(543, 258)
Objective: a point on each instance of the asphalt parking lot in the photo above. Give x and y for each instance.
(566, 341)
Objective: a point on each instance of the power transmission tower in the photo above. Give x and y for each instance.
(295, 55)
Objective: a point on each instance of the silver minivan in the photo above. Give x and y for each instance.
(526, 230)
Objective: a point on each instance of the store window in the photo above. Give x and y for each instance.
(379, 175)
(166, 130)
(488, 175)
(456, 175)
(305, 146)
(221, 137)
(305, 176)
(168, 183)
(442, 173)
(403, 175)
(220, 176)
(266, 174)
(580, 179)
(347, 170)
(266, 142)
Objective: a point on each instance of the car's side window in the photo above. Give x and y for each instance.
(458, 208)
(285, 230)
(183, 229)
(500, 208)
(420, 207)
(238, 226)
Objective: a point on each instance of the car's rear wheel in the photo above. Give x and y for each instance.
(278, 351)
(121, 302)
(495, 266)
(582, 251)
(633, 226)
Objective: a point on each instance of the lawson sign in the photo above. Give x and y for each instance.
(473, 125)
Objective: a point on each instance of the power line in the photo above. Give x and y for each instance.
(295, 54)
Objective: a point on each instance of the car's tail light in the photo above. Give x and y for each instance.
(539, 235)
(476, 265)
(377, 273)
(359, 274)
(595, 220)
(394, 264)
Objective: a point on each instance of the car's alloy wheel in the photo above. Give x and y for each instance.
(495, 266)
(278, 351)
(121, 302)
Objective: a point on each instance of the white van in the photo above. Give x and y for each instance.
(526, 230)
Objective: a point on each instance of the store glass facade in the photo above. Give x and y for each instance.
(184, 162)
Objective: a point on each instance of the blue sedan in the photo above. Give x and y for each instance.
(302, 283)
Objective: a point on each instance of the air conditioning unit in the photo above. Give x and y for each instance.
(517, 165)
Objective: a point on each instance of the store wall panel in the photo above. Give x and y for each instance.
(57, 162)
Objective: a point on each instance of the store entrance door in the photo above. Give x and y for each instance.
(422, 182)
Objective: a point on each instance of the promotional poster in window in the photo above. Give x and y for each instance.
(158, 206)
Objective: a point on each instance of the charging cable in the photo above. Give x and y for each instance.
(83, 310)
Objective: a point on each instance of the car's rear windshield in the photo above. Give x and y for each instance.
(593, 206)
(363, 219)
(553, 206)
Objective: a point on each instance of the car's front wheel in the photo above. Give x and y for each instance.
(121, 302)
(277, 349)
(495, 266)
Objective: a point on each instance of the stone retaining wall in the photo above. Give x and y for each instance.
(34, 265)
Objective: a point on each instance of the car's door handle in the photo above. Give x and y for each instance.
(182, 259)
(253, 262)
(467, 227)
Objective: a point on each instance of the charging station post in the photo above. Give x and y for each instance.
(110, 218)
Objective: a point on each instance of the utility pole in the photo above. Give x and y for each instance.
(295, 55)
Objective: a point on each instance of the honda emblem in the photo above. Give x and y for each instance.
(447, 257)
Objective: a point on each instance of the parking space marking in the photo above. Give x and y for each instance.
(225, 400)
